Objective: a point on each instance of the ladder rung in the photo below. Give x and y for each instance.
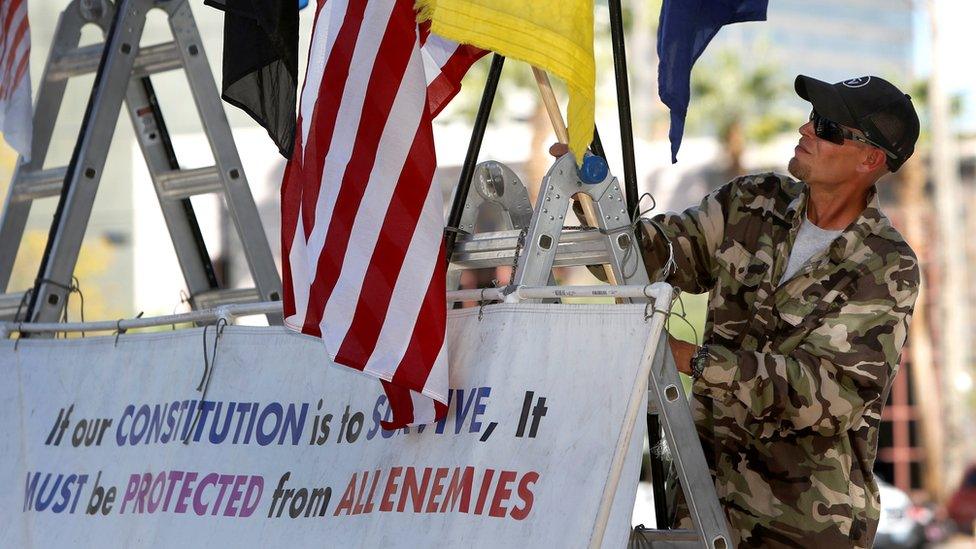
(651, 407)
(179, 184)
(38, 184)
(9, 303)
(85, 60)
(157, 58)
(496, 249)
(216, 298)
(667, 538)
(176, 184)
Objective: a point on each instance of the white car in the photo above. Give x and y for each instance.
(902, 522)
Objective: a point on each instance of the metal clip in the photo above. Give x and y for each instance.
(481, 305)
(119, 330)
(650, 302)
(20, 334)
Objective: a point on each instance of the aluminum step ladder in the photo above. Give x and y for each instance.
(122, 74)
(539, 242)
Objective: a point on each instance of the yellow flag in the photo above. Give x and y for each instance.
(553, 35)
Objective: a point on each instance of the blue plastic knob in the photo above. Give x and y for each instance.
(594, 169)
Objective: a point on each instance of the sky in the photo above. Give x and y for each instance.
(956, 21)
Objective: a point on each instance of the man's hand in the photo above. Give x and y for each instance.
(682, 351)
(558, 149)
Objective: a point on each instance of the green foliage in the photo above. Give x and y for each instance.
(687, 323)
(687, 320)
(727, 92)
(919, 92)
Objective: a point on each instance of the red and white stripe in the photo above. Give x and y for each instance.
(15, 89)
(445, 63)
(362, 219)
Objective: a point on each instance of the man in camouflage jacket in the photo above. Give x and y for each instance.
(793, 374)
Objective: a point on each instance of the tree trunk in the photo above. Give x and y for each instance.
(914, 205)
(735, 145)
(538, 161)
(954, 290)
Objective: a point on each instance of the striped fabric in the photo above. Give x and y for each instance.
(362, 220)
(15, 87)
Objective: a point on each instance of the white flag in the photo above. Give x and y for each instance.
(15, 88)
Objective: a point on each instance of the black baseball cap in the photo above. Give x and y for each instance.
(882, 112)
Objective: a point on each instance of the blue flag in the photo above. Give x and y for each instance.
(686, 27)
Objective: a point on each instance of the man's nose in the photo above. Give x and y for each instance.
(807, 129)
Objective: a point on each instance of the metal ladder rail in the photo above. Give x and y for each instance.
(84, 170)
(181, 221)
(168, 180)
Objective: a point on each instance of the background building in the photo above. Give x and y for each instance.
(832, 40)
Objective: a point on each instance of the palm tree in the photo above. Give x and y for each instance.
(738, 102)
(915, 205)
(955, 302)
(917, 213)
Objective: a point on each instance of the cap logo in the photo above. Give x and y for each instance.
(857, 82)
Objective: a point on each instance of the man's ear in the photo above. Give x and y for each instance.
(874, 160)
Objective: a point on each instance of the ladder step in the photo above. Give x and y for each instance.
(179, 184)
(85, 60)
(495, 249)
(666, 538)
(176, 184)
(217, 298)
(38, 184)
(9, 303)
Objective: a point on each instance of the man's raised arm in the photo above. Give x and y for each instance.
(695, 235)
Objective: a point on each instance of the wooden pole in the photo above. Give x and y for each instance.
(552, 106)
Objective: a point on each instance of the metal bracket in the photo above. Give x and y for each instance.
(496, 183)
(560, 184)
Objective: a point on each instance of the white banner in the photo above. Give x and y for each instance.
(106, 442)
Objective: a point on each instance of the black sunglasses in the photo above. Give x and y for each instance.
(835, 133)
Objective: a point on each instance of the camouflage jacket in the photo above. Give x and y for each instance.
(789, 402)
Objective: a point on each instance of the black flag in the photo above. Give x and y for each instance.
(260, 72)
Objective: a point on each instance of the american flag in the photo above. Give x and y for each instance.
(362, 220)
(15, 90)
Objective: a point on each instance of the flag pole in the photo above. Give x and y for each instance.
(623, 106)
(471, 157)
(657, 465)
(597, 145)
